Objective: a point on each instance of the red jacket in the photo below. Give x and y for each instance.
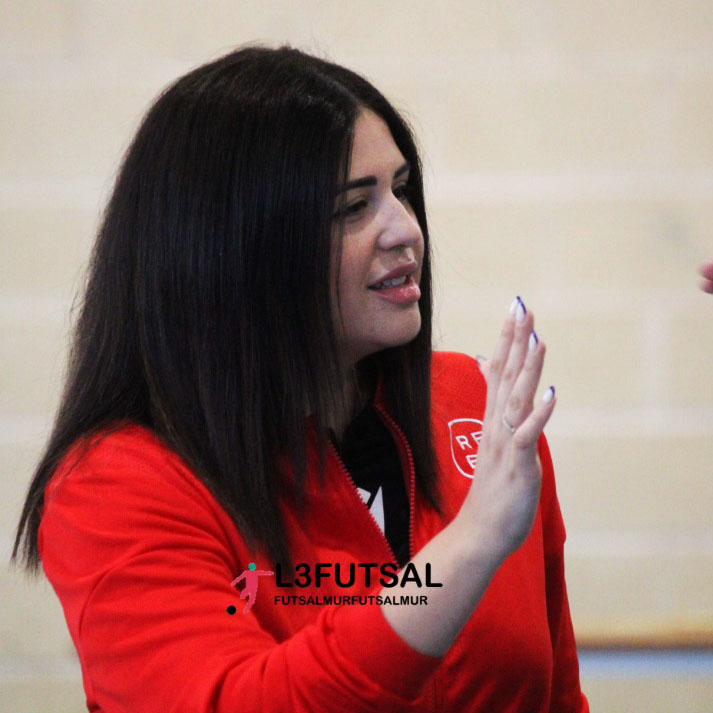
(142, 558)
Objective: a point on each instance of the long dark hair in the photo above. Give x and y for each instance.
(206, 313)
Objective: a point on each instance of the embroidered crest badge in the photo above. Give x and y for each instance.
(465, 437)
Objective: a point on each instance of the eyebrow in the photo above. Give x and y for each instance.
(371, 180)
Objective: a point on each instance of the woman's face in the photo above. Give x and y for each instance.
(381, 240)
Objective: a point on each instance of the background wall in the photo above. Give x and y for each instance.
(569, 159)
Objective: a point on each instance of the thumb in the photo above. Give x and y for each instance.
(483, 364)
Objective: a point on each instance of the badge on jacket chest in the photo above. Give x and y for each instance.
(465, 436)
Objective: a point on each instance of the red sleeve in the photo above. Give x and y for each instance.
(142, 563)
(567, 696)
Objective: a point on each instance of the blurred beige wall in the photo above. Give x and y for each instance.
(569, 158)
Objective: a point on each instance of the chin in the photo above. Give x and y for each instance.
(404, 336)
(400, 333)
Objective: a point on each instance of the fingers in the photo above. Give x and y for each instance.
(525, 438)
(497, 365)
(513, 376)
(504, 397)
(519, 403)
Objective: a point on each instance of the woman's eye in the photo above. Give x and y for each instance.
(404, 192)
(354, 208)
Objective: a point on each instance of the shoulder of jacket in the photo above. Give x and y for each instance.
(452, 360)
(453, 366)
(123, 450)
(456, 378)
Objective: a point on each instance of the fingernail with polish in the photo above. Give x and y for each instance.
(515, 303)
(549, 395)
(520, 311)
(534, 341)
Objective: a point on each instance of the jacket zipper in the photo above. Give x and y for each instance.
(403, 448)
(361, 500)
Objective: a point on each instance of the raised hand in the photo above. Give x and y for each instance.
(503, 498)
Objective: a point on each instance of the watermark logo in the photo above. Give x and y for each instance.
(251, 576)
(360, 574)
(337, 575)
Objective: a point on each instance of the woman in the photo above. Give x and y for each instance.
(253, 365)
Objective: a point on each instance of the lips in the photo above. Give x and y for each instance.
(406, 293)
(405, 270)
(395, 282)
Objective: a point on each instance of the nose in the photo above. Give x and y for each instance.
(400, 227)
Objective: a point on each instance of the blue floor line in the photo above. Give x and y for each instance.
(646, 664)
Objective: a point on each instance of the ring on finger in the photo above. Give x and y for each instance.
(508, 425)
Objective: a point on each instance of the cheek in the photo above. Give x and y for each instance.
(421, 249)
(420, 255)
(345, 285)
(349, 294)
(350, 278)
(339, 270)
